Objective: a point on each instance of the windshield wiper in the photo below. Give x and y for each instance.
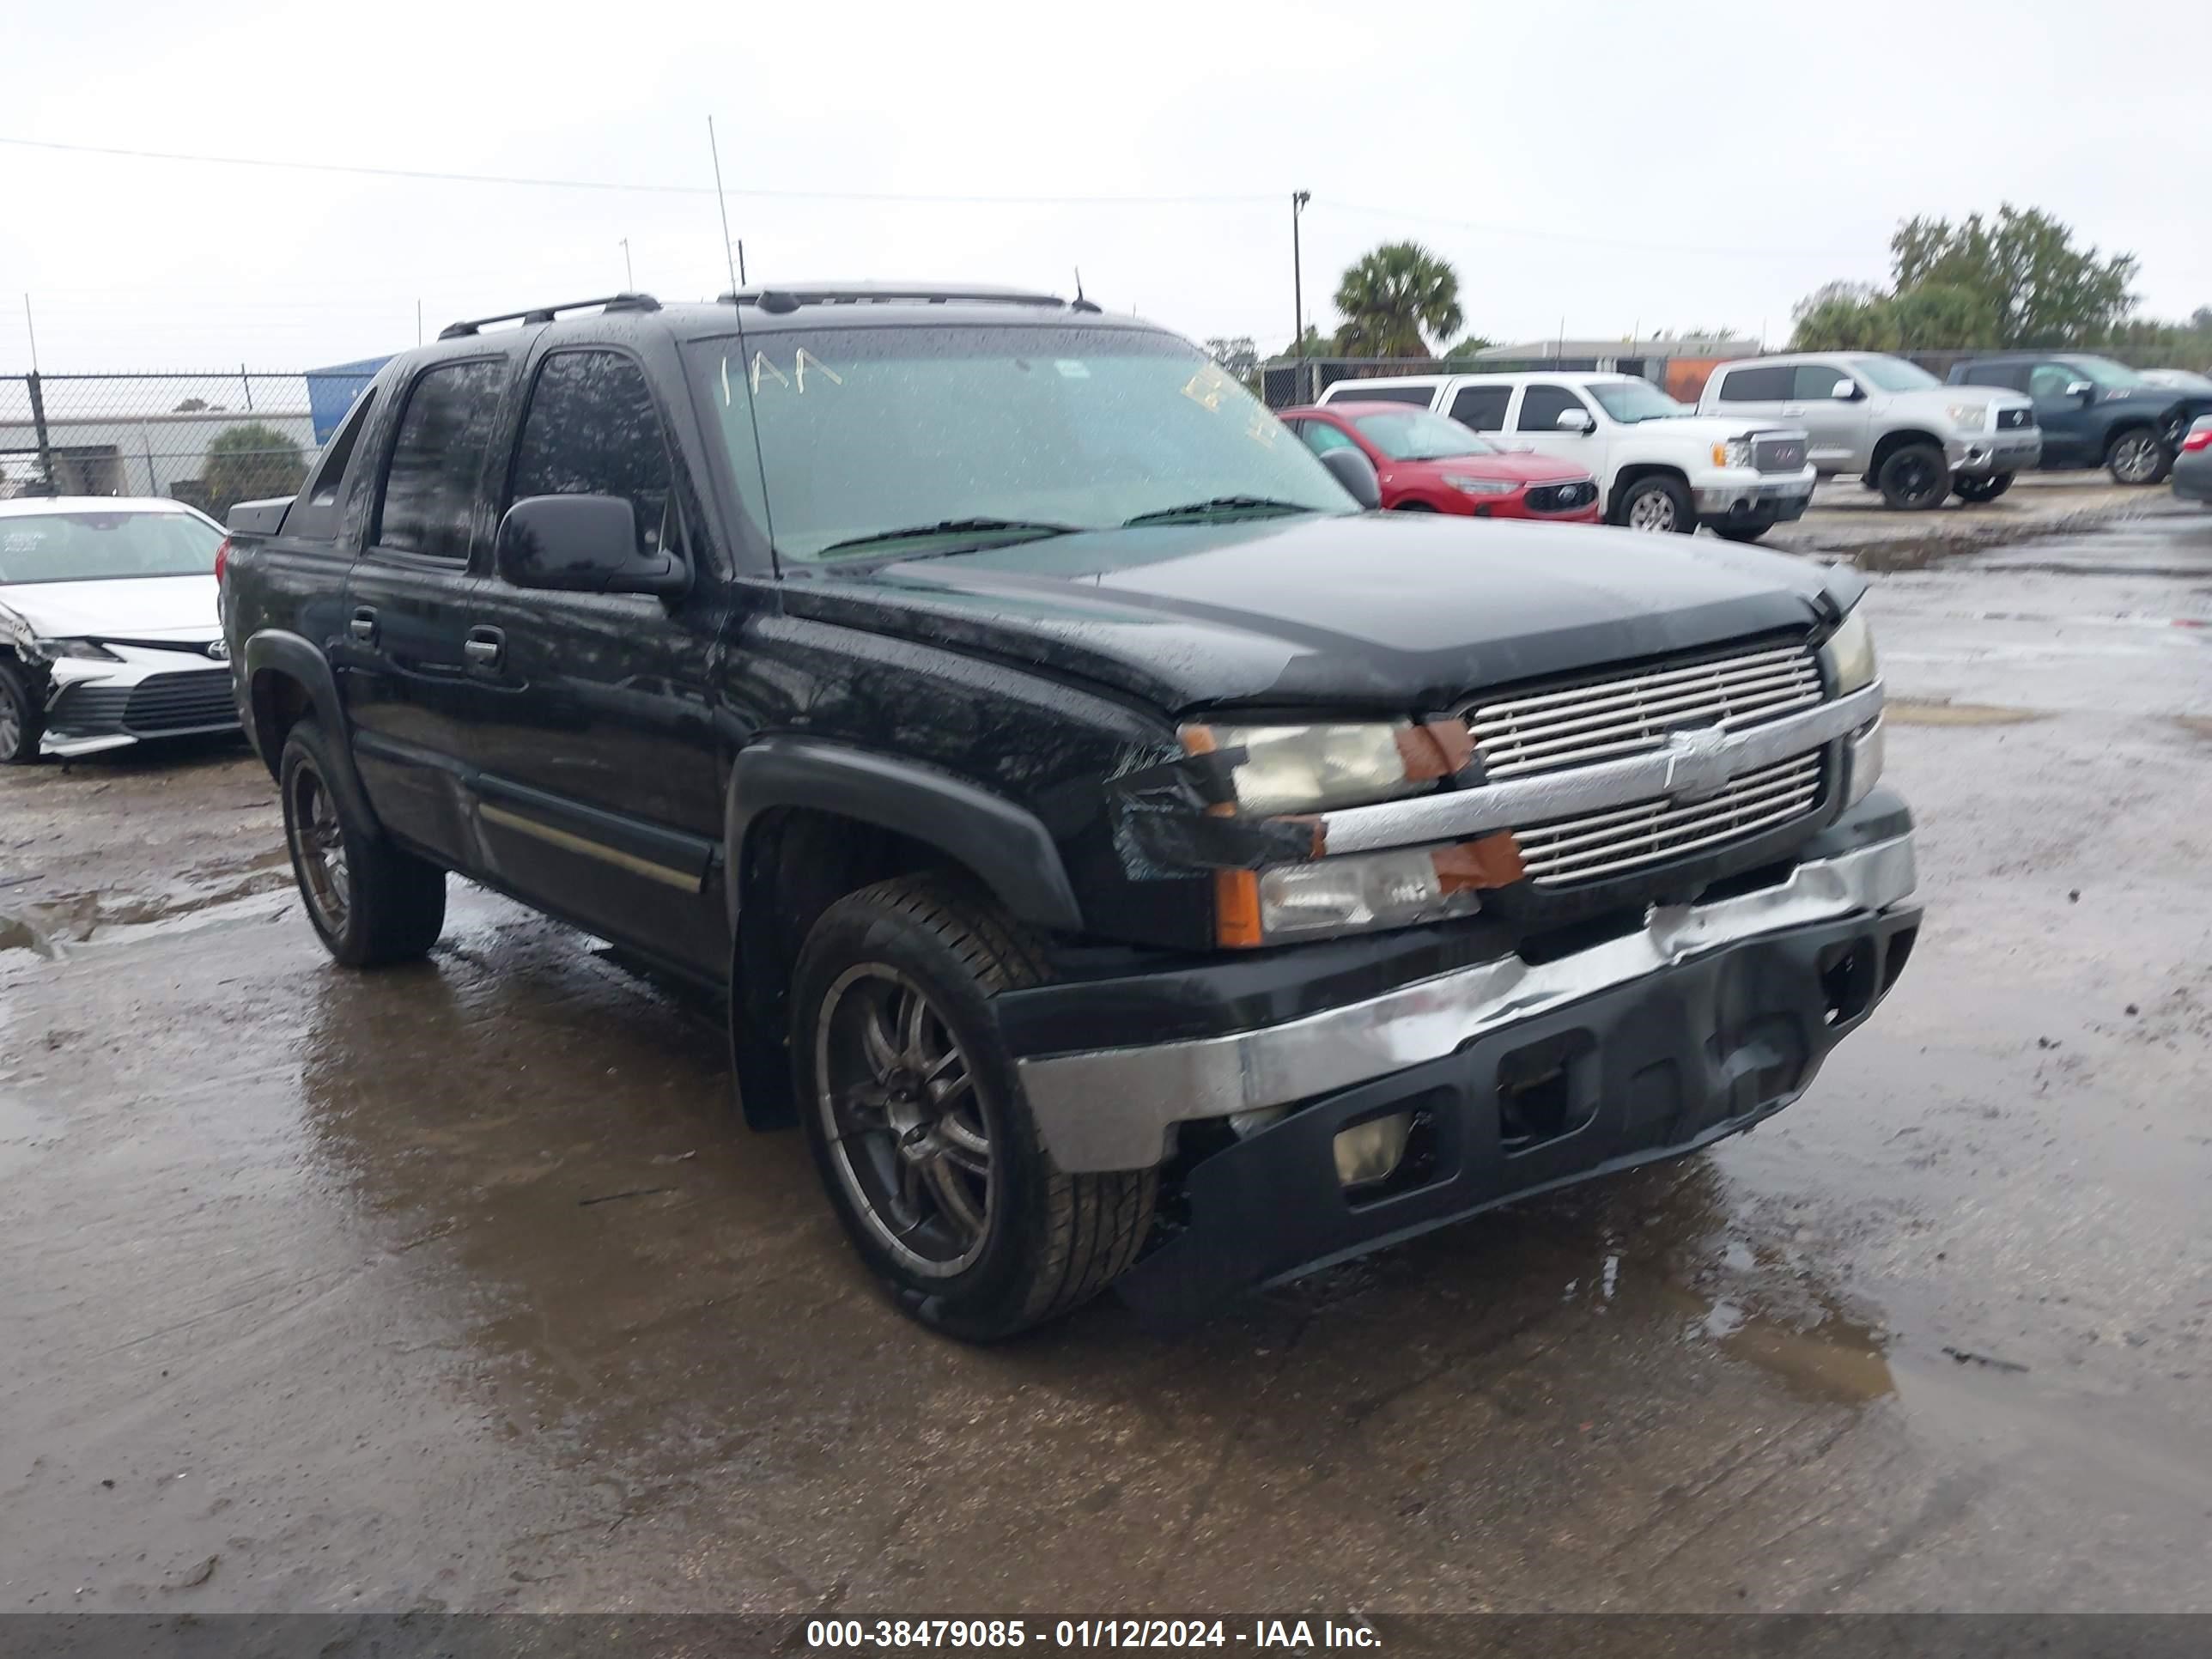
(1013, 529)
(1208, 508)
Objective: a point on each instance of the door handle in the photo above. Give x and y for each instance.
(484, 646)
(363, 625)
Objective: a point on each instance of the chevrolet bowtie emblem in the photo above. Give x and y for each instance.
(1697, 763)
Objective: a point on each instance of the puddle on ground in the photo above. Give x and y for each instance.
(1909, 711)
(51, 928)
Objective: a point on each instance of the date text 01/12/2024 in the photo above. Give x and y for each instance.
(1295, 1635)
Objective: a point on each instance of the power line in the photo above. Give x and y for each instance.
(631, 188)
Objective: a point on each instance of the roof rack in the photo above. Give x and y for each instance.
(790, 297)
(546, 313)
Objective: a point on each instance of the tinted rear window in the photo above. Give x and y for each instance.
(1755, 385)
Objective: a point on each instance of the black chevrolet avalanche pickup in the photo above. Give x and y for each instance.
(1133, 862)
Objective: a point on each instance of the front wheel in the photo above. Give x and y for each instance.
(1656, 504)
(2138, 456)
(917, 1123)
(1986, 487)
(371, 902)
(1742, 532)
(21, 719)
(1915, 478)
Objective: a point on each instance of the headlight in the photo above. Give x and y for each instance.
(1863, 758)
(1850, 660)
(1849, 655)
(48, 650)
(1311, 768)
(1481, 486)
(1737, 452)
(1360, 892)
(1972, 417)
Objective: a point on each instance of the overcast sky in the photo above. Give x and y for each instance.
(1664, 164)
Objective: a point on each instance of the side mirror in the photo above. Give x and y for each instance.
(2081, 389)
(582, 544)
(1357, 474)
(1844, 391)
(1577, 421)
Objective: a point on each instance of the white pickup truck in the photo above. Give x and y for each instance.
(1659, 465)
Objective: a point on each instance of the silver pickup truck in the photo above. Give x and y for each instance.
(1889, 420)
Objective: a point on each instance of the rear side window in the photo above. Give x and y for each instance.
(1481, 408)
(1755, 385)
(592, 430)
(330, 472)
(1542, 406)
(430, 486)
(1419, 396)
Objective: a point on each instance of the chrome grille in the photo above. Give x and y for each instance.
(1633, 714)
(1777, 454)
(1604, 844)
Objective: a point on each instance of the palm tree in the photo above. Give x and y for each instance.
(1393, 298)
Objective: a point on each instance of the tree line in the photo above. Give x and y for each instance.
(2017, 278)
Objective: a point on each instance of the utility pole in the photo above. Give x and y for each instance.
(1298, 200)
(629, 276)
(418, 322)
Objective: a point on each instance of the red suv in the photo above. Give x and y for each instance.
(1429, 463)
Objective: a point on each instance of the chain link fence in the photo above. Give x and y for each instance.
(209, 439)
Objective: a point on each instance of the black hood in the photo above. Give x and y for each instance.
(1383, 612)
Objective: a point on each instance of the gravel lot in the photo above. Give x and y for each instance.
(459, 1286)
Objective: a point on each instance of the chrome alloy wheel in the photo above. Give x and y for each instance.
(907, 1135)
(319, 849)
(2135, 457)
(1653, 510)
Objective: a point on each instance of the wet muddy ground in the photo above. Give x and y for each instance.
(459, 1286)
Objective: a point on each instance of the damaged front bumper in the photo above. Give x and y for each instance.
(1520, 1076)
(94, 703)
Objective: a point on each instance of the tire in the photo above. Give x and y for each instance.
(23, 721)
(371, 903)
(1656, 503)
(1742, 532)
(916, 1120)
(2137, 456)
(1413, 506)
(1986, 487)
(1914, 478)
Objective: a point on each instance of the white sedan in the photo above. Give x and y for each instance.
(109, 631)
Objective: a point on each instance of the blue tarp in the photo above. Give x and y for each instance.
(331, 391)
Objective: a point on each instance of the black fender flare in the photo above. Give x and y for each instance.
(1004, 846)
(278, 651)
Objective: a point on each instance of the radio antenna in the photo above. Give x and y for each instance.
(745, 355)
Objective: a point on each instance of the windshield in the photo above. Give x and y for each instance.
(869, 432)
(2104, 372)
(1418, 435)
(1893, 374)
(1631, 401)
(95, 546)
